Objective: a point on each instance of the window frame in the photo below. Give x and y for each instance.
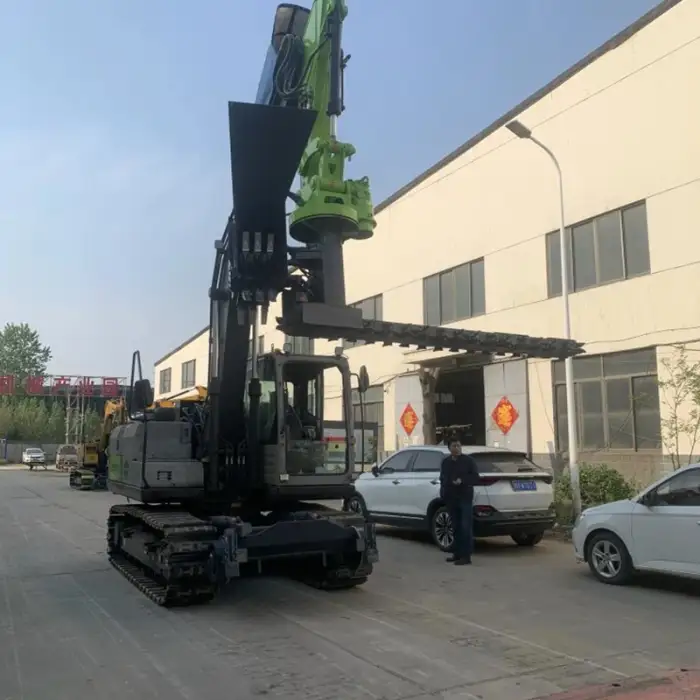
(186, 364)
(450, 277)
(297, 343)
(377, 400)
(416, 457)
(378, 315)
(392, 458)
(166, 373)
(654, 498)
(571, 256)
(602, 378)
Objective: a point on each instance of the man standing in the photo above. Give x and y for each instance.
(458, 476)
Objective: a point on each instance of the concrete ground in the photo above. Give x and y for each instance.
(518, 624)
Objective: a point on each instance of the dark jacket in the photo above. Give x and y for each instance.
(461, 467)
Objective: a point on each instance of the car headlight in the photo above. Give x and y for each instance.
(579, 517)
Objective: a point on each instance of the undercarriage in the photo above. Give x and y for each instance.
(177, 559)
(84, 479)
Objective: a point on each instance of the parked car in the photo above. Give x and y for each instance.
(514, 496)
(67, 457)
(658, 530)
(34, 457)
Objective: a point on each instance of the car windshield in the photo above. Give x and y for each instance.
(34, 451)
(67, 450)
(504, 462)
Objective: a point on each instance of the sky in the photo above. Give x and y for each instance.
(114, 154)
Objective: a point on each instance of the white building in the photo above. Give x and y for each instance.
(473, 243)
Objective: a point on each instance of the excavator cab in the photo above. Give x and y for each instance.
(296, 455)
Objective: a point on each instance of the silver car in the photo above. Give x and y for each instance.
(34, 457)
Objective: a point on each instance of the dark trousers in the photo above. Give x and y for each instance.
(461, 514)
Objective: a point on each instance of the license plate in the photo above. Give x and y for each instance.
(520, 485)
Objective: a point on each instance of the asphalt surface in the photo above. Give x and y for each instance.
(517, 624)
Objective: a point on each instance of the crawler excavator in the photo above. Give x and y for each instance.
(229, 485)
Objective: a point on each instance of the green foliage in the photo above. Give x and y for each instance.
(599, 483)
(21, 351)
(40, 421)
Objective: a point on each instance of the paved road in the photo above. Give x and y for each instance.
(516, 625)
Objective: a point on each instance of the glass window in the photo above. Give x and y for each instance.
(428, 460)
(630, 363)
(618, 394)
(636, 237)
(188, 374)
(397, 463)
(431, 300)
(553, 244)
(503, 462)
(448, 299)
(584, 256)
(165, 381)
(609, 247)
(628, 417)
(463, 291)
(647, 421)
(681, 490)
(591, 415)
(478, 288)
(561, 417)
(586, 368)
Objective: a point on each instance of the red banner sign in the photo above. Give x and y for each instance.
(59, 385)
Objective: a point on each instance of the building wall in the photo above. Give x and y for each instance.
(624, 129)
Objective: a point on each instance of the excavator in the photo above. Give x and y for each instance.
(230, 485)
(91, 473)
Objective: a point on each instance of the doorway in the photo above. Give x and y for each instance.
(460, 406)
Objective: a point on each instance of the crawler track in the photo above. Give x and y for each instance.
(185, 546)
(184, 553)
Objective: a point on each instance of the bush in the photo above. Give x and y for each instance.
(600, 483)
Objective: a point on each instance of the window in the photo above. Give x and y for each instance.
(397, 463)
(373, 406)
(454, 294)
(188, 374)
(428, 460)
(165, 379)
(617, 401)
(503, 462)
(680, 490)
(300, 345)
(608, 248)
(372, 310)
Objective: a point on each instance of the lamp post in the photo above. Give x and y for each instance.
(522, 132)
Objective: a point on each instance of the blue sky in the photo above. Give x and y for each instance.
(114, 161)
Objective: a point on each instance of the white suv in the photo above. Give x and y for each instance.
(514, 496)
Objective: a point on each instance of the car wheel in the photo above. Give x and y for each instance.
(356, 504)
(609, 560)
(441, 529)
(523, 540)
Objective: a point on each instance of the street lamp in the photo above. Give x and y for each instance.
(522, 132)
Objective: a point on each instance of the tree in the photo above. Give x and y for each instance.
(21, 351)
(680, 394)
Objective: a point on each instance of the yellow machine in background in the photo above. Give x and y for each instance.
(91, 474)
